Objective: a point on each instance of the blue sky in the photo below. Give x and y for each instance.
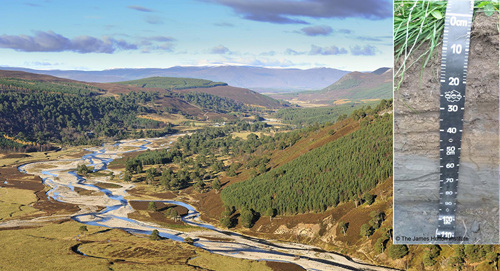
(95, 35)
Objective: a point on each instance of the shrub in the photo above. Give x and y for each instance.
(428, 260)
(369, 198)
(83, 228)
(366, 230)
(380, 245)
(343, 226)
(216, 184)
(270, 212)
(152, 206)
(155, 235)
(225, 222)
(475, 253)
(172, 213)
(247, 218)
(188, 240)
(398, 251)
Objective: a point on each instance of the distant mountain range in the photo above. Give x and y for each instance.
(255, 78)
(354, 86)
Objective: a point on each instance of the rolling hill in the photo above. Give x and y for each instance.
(172, 83)
(354, 86)
(223, 90)
(74, 112)
(358, 85)
(153, 84)
(243, 95)
(45, 83)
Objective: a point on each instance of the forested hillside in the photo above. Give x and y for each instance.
(309, 116)
(341, 165)
(172, 83)
(39, 109)
(198, 159)
(72, 119)
(212, 102)
(240, 95)
(336, 172)
(40, 86)
(190, 86)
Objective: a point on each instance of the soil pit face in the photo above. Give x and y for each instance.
(416, 144)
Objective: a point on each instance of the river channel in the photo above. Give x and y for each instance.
(62, 179)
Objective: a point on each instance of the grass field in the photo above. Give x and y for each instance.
(181, 123)
(342, 101)
(306, 104)
(50, 248)
(228, 264)
(15, 203)
(46, 248)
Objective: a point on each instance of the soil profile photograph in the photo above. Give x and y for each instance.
(446, 122)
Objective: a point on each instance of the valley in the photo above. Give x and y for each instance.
(205, 138)
(119, 173)
(223, 176)
(193, 135)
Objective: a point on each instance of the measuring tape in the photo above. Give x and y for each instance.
(456, 39)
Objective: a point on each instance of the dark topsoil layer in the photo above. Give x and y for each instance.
(416, 103)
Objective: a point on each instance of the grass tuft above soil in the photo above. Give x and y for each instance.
(422, 22)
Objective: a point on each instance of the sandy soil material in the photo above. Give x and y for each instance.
(416, 144)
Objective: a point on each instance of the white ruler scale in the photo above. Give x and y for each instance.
(453, 80)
